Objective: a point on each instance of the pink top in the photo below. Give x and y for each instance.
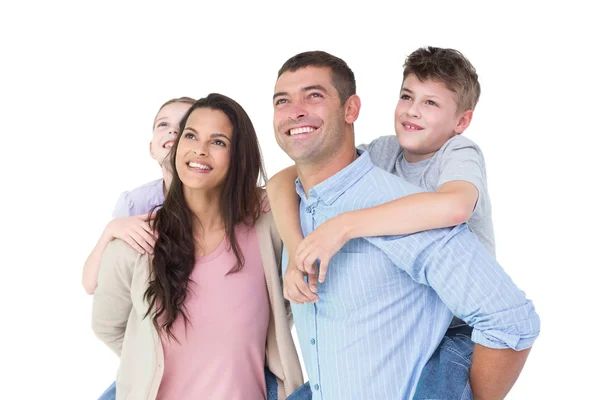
(223, 354)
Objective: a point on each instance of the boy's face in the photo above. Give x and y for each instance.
(426, 117)
(166, 127)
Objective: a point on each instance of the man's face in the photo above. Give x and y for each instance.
(308, 115)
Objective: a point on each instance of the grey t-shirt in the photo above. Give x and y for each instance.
(459, 159)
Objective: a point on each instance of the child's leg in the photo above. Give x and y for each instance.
(302, 393)
(271, 382)
(110, 393)
(446, 374)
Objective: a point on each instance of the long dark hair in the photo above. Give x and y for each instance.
(240, 201)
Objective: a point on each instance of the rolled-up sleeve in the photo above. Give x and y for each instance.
(467, 278)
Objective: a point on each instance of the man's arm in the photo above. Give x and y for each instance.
(495, 371)
(284, 201)
(476, 289)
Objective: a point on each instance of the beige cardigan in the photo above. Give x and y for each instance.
(119, 307)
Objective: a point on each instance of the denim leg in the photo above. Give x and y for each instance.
(271, 382)
(302, 393)
(446, 374)
(110, 393)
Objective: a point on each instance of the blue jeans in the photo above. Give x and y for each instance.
(446, 374)
(302, 393)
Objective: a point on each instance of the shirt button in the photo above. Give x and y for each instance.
(317, 386)
(313, 341)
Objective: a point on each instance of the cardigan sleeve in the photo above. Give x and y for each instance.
(112, 299)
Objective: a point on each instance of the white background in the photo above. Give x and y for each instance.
(80, 84)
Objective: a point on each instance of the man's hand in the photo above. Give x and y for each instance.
(136, 231)
(296, 289)
(322, 244)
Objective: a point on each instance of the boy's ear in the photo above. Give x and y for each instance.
(463, 122)
(150, 148)
(352, 109)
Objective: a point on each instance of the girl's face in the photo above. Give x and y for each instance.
(166, 127)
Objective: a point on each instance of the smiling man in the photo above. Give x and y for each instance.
(387, 301)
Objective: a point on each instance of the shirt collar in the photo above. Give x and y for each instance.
(333, 187)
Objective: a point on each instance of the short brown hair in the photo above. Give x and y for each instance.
(450, 67)
(342, 76)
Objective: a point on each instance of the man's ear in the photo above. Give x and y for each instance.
(352, 109)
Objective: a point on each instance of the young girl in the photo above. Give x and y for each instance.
(192, 320)
(130, 221)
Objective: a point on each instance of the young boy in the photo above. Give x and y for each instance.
(439, 92)
(130, 216)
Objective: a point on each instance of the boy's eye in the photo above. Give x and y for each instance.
(405, 97)
(431, 103)
(160, 125)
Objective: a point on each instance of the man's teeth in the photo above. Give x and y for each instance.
(199, 166)
(306, 129)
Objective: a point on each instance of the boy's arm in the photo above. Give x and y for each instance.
(451, 205)
(281, 190)
(460, 183)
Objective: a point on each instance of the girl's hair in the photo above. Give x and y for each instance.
(187, 100)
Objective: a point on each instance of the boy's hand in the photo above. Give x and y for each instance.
(296, 289)
(136, 231)
(322, 244)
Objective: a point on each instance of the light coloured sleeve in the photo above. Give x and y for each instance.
(469, 281)
(112, 299)
(462, 160)
(124, 206)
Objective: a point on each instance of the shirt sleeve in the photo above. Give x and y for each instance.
(470, 283)
(112, 299)
(463, 161)
(124, 206)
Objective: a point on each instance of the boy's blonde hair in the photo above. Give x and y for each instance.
(451, 68)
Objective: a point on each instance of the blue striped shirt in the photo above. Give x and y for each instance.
(387, 301)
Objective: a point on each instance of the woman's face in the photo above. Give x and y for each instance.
(202, 159)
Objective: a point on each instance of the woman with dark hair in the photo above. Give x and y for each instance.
(202, 315)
